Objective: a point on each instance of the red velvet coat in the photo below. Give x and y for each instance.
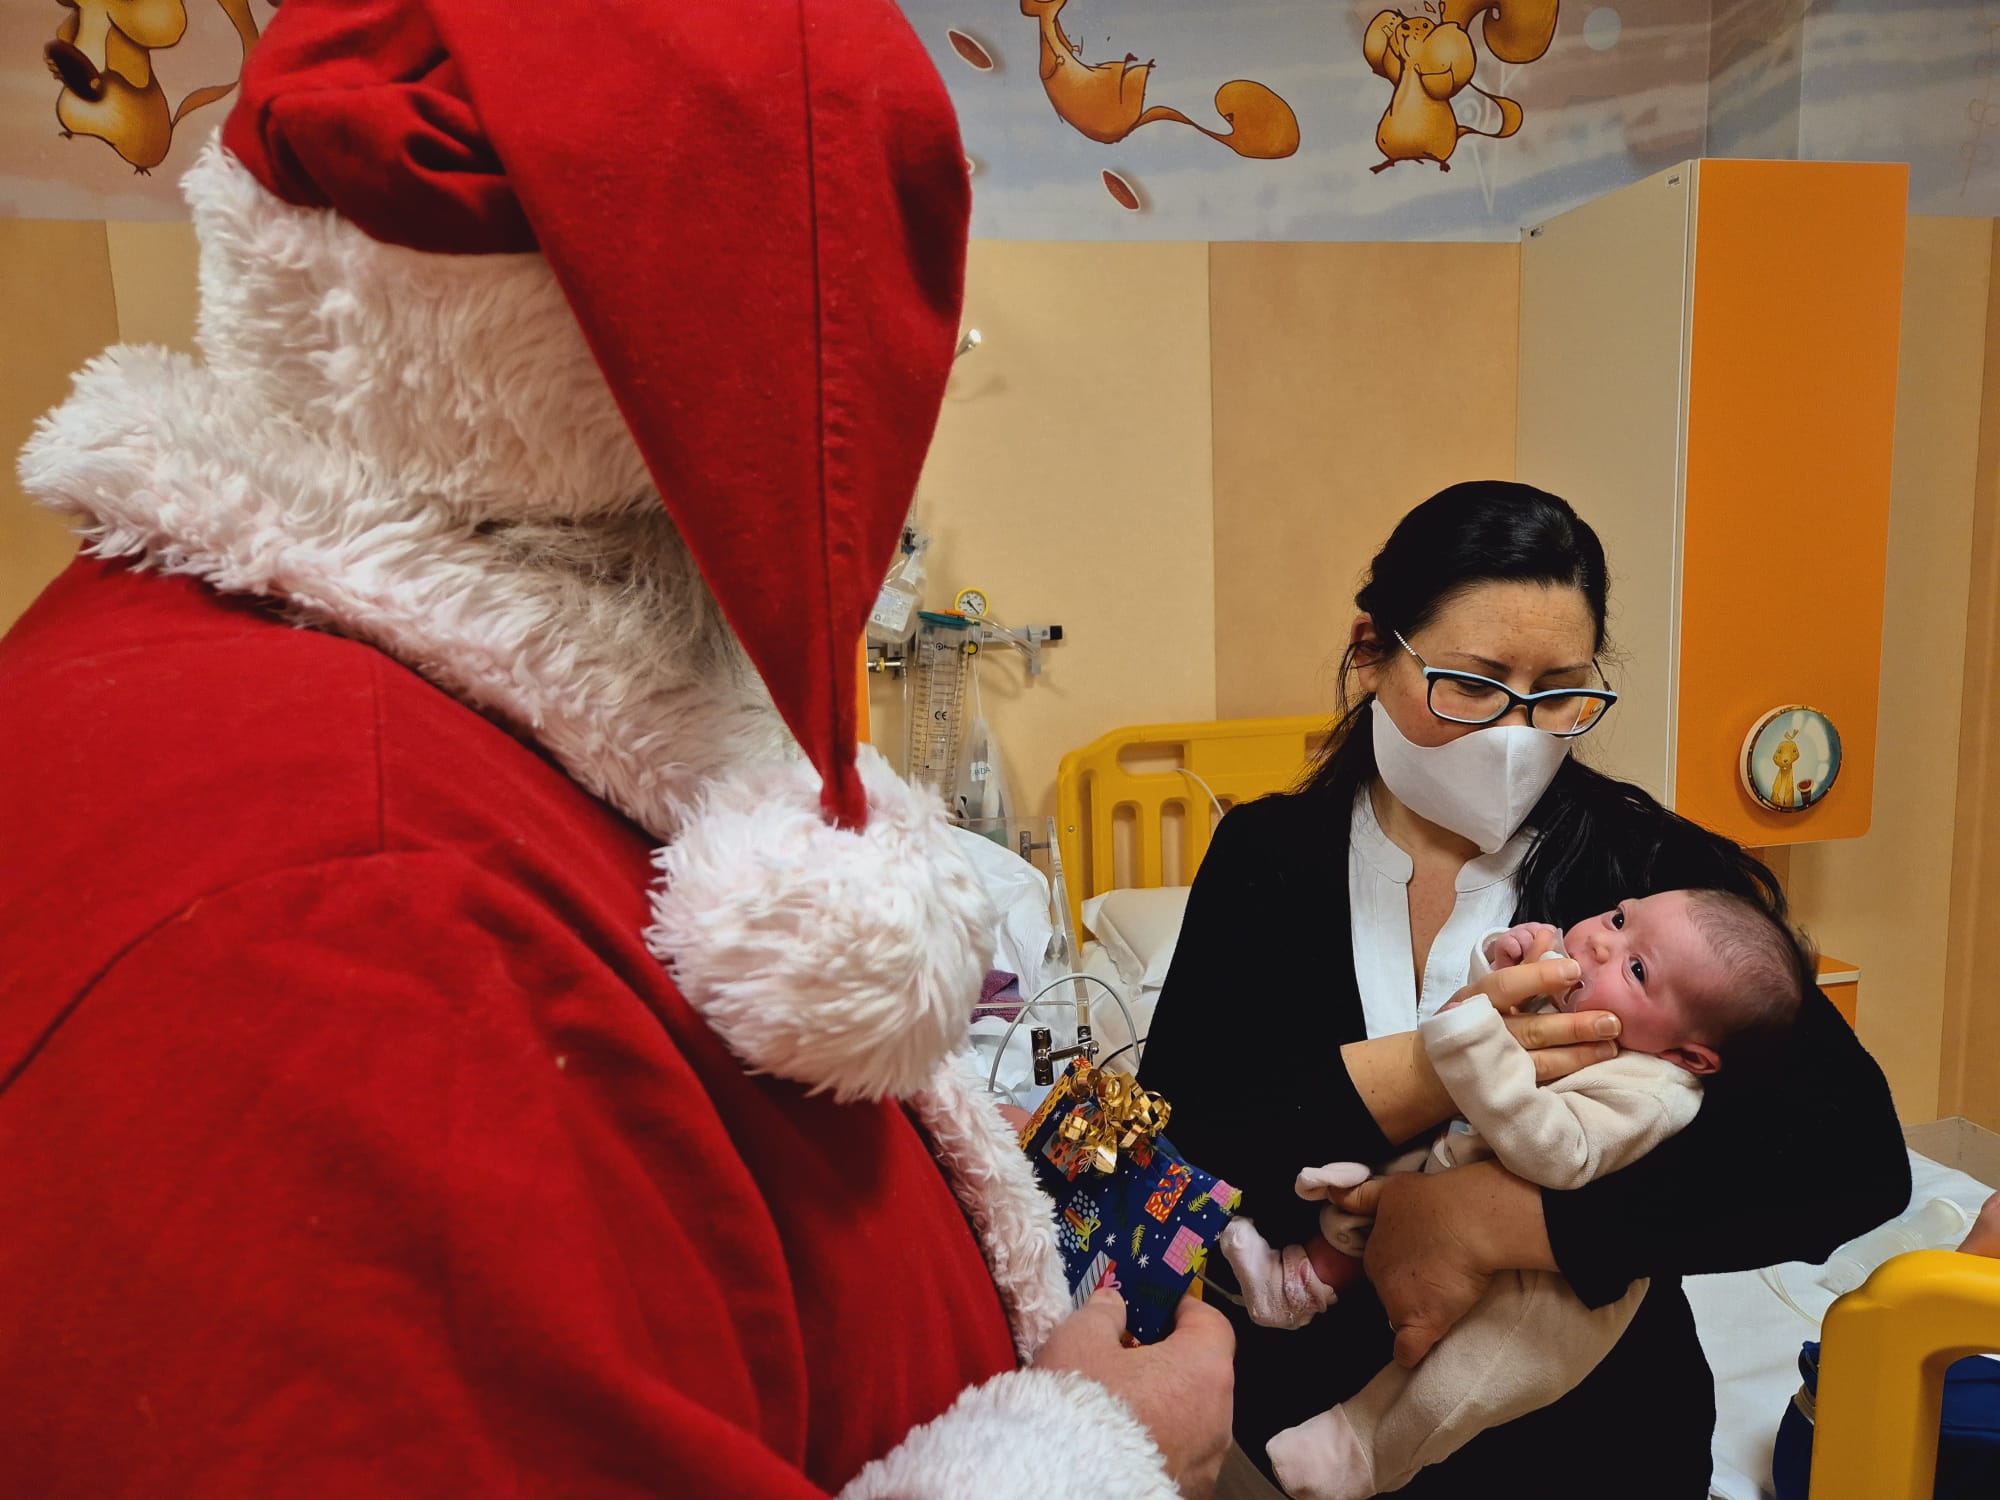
(353, 1144)
(354, 1139)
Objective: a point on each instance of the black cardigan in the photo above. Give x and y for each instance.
(1788, 1158)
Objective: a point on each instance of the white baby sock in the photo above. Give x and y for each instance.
(1322, 1459)
(1280, 1289)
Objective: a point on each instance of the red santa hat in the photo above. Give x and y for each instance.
(757, 210)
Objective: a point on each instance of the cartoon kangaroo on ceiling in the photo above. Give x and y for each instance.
(1429, 59)
(1107, 101)
(103, 57)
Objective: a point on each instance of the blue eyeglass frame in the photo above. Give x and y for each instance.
(1432, 675)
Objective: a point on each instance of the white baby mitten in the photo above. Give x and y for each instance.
(1346, 1232)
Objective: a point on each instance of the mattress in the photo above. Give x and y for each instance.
(1751, 1324)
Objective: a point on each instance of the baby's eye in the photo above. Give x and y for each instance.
(1638, 970)
(1618, 918)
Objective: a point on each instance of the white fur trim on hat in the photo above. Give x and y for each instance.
(420, 452)
(844, 960)
(1025, 1435)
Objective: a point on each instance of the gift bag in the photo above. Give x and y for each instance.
(1130, 1213)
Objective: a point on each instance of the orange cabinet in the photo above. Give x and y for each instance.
(1708, 373)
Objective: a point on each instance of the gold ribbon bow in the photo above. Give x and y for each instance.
(1125, 1114)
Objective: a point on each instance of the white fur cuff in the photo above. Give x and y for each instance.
(1025, 1435)
(844, 960)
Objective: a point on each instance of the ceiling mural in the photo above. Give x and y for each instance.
(1441, 119)
(103, 103)
(1202, 119)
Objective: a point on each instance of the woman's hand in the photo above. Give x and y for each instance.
(1402, 1090)
(1439, 1237)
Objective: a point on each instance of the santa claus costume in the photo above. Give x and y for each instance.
(452, 1041)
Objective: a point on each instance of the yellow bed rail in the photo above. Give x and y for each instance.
(1132, 779)
(1883, 1353)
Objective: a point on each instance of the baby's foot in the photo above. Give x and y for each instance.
(1323, 1459)
(1280, 1288)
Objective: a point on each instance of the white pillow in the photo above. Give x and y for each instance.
(1138, 930)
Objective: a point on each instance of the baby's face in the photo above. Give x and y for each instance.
(1647, 963)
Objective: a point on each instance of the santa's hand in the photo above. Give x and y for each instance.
(1523, 944)
(1180, 1389)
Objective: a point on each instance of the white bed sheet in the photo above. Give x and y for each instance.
(1752, 1338)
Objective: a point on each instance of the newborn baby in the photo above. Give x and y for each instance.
(1688, 974)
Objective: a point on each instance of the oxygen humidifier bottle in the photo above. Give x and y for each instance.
(894, 619)
(1939, 1225)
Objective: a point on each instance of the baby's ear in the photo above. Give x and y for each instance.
(1697, 1059)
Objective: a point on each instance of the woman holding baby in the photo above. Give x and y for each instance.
(1305, 1021)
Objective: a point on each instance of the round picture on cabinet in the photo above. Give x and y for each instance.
(1791, 758)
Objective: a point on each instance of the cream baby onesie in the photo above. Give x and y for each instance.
(1529, 1340)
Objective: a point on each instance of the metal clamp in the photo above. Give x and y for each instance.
(1047, 1055)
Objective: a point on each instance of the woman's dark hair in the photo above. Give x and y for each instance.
(1597, 838)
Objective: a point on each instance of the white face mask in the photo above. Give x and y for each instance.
(1481, 786)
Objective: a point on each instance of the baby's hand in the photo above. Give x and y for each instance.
(1523, 945)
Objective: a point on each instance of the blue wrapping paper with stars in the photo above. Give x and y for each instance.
(1131, 1214)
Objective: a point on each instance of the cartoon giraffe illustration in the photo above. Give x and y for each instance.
(1429, 59)
(103, 57)
(1107, 101)
(1784, 757)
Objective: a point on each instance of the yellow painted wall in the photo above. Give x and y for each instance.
(1883, 901)
(1070, 479)
(55, 303)
(1351, 382)
(67, 290)
(153, 269)
(1969, 1080)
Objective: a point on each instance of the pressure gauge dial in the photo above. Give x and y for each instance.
(971, 603)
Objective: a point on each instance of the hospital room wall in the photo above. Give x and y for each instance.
(1969, 1083)
(1185, 454)
(1883, 901)
(1071, 480)
(67, 289)
(1351, 380)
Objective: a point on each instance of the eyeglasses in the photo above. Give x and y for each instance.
(1468, 698)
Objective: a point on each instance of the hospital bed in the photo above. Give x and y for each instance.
(1135, 812)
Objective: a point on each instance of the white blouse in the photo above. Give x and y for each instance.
(1378, 893)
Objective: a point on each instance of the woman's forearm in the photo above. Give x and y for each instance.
(1396, 1082)
(1402, 1091)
